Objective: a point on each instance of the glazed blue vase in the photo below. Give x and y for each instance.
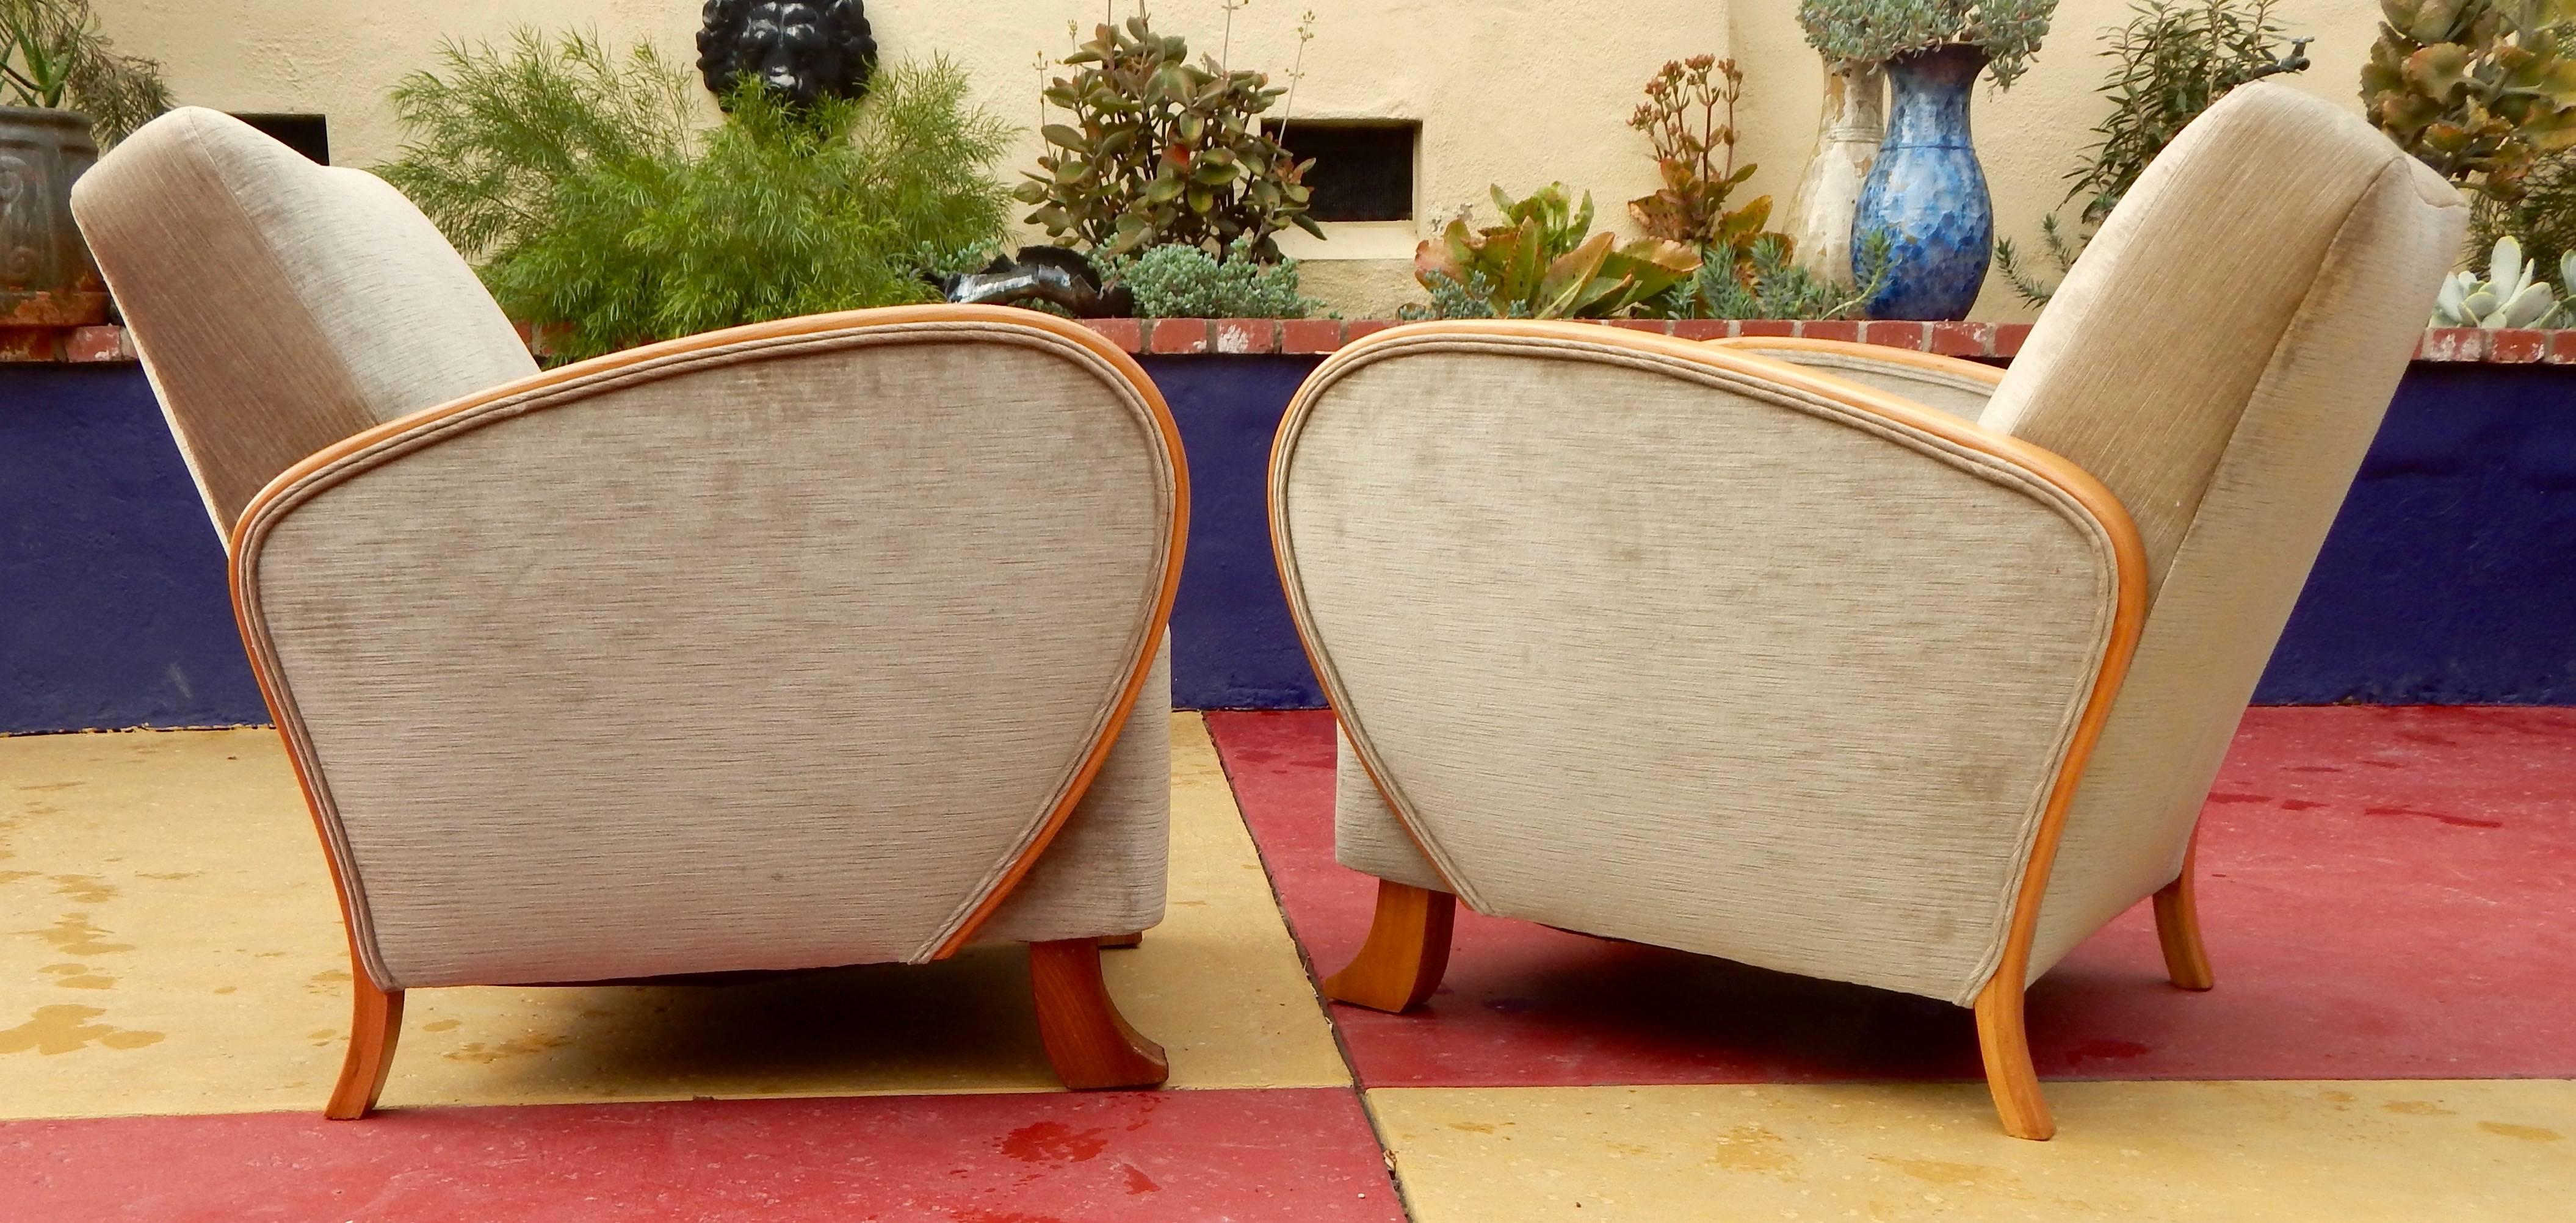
(1927, 190)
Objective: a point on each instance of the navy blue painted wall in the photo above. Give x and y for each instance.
(2446, 579)
(1233, 646)
(113, 611)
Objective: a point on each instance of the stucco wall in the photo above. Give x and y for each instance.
(1511, 91)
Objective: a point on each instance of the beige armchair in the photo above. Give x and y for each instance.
(829, 641)
(1697, 647)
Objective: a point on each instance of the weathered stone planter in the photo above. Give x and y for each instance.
(2445, 580)
(46, 277)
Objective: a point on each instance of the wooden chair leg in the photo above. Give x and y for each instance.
(1406, 952)
(2009, 1074)
(375, 1025)
(1086, 1038)
(1121, 942)
(2178, 928)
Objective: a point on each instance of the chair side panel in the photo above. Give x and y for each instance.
(779, 660)
(1661, 656)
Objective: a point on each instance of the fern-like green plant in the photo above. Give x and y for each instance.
(602, 218)
(1177, 281)
(2171, 61)
(493, 132)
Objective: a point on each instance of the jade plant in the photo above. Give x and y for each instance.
(1689, 114)
(2477, 89)
(1544, 261)
(1160, 151)
(1874, 31)
(2511, 294)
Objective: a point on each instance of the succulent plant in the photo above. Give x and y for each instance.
(2476, 89)
(1186, 282)
(1544, 262)
(1873, 31)
(2510, 296)
(1161, 151)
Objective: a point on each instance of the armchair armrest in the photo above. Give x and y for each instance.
(1701, 648)
(1958, 387)
(786, 646)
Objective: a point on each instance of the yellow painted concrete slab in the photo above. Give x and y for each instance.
(169, 943)
(2418, 1152)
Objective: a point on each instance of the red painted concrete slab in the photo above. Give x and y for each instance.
(1130, 1157)
(2388, 893)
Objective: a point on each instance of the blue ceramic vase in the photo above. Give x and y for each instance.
(1927, 190)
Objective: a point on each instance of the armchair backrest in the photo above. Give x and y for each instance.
(280, 306)
(2220, 358)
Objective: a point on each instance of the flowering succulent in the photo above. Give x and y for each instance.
(1695, 159)
(1874, 31)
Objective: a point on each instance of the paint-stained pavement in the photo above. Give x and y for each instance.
(2390, 901)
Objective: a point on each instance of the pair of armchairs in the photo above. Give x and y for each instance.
(812, 643)
(1872, 666)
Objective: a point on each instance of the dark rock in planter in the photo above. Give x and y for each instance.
(805, 50)
(46, 276)
(1051, 274)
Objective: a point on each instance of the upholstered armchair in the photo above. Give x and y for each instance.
(829, 641)
(1872, 667)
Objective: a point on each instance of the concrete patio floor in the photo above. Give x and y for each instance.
(2391, 902)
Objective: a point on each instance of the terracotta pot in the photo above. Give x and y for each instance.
(46, 276)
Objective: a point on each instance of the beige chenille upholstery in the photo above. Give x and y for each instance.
(1689, 645)
(793, 646)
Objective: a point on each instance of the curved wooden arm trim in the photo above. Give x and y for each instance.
(2078, 488)
(1880, 354)
(426, 427)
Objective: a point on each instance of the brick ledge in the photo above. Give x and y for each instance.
(1306, 337)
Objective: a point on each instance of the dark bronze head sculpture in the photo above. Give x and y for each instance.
(804, 50)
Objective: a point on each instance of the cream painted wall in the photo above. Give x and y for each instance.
(1511, 91)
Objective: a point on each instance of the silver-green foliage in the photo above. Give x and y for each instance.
(1773, 287)
(53, 56)
(1873, 31)
(601, 214)
(2511, 294)
(1178, 281)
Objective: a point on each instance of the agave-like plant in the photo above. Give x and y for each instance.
(1540, 263)
(2511, 295)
